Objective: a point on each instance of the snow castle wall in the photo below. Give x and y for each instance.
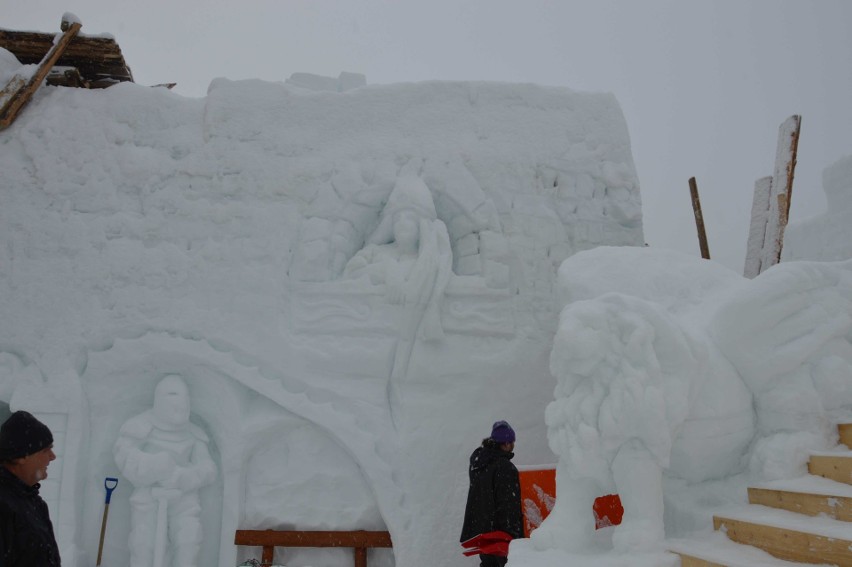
(145, 234)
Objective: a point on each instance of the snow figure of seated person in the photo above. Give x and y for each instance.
(166, 459)
(409, 253)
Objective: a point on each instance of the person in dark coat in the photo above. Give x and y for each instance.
(26, 533)
(494, 496)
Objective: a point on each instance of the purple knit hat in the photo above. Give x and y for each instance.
(502, 432)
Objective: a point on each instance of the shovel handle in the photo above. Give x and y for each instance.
(109, 484)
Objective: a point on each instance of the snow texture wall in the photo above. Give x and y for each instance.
(826, 237)
(145, 234)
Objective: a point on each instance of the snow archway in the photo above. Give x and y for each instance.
(246, 409)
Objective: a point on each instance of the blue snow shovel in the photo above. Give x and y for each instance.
(109, 484)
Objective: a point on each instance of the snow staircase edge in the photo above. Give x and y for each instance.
(719, 551)
(794, 522)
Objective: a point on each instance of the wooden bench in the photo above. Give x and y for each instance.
(360, 541)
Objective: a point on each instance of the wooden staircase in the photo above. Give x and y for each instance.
(804, 520)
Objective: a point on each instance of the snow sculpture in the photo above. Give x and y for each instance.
(663, 379)
(825, 237)
(409, 253)
(210, 240)
(166, 459)
(627, 375)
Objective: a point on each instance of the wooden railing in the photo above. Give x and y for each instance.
(360, 541)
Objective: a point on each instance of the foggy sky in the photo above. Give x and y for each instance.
(703, 85)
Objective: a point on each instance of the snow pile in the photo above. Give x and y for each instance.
(145, 234)
(826, 237)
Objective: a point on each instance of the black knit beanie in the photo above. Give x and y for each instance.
(23, 435)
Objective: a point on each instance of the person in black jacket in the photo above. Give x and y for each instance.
(26, 533)
(494, 496)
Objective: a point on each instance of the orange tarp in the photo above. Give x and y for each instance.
(538, 495)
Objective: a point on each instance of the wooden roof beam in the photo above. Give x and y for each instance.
(19, 99)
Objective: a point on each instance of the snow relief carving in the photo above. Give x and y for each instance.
(409, 253)
(166, 458)
(415, 277)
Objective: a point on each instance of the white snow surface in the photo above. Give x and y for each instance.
(71, 18)
(145, 234)
(680, 382)
(827, 236)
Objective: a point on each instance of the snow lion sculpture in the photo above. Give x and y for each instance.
(665, 363)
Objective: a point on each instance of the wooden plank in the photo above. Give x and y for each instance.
(31, 47)
(837, 468)
(66, 77)
(360, 557)
(291, 538)
(93, 56)
(837, 507)
(782, 184)
(15, 84)
(690, 561)
(757, 228)
(699, 219)
(845, 430)
(788, 544)
(19, 100)
(267, 556)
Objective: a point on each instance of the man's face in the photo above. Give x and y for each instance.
(32, 468)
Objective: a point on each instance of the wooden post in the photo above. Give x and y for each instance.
(782, 184)
(699, 219)
(757, 229)
(12, 108)
(360, 557)
(267, 555)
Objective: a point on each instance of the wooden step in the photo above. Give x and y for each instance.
(692, 561)
(809, 495)
(845, 430)
(716, 550)
(836, 466)
(788, 535)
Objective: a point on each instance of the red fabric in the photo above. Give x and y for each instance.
(608, 511)
(491, 543)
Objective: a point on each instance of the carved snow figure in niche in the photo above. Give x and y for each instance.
(409, 253)
(165, 457)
